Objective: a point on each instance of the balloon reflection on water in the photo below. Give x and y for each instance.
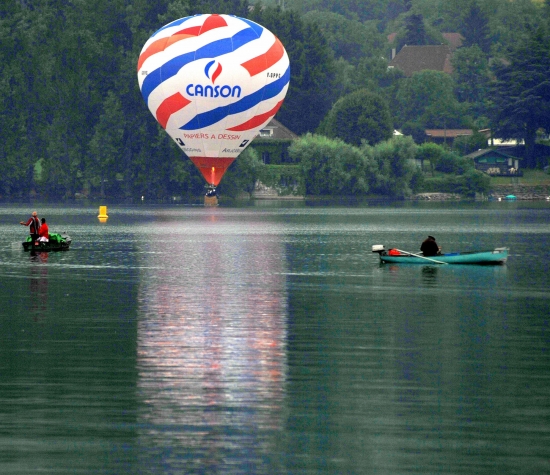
(211, 343)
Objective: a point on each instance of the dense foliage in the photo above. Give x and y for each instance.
(359, 116)
(72, 119)
(333, 167)
(521, 93)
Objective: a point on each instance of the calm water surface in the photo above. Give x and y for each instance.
(268, 339)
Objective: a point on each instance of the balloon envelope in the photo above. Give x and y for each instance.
(212, 82)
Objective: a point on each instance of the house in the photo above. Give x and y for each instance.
(495, 163)
(412, 59)
(272, 143)
(453, 40)
(446, 136)
(281, 177)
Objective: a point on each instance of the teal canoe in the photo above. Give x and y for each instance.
(496, 256)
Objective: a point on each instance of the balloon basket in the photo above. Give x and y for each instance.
(211, 200)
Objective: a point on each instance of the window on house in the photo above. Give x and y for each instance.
(266, 132)
(266, 158)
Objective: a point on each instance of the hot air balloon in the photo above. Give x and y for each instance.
(212, 82)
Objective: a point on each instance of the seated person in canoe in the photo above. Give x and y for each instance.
(429, 247)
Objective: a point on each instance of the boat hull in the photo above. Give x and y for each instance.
(57, 242)
(497, 256)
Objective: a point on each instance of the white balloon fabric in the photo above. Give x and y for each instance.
(212, 82)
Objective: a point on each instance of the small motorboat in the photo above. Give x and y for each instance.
(57, 242)
(498, 255)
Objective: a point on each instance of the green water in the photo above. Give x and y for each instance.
(268, 339)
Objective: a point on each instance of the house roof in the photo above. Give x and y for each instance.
(486, 151)
(279, 131)
(455, 40)
(412, 59)
(448, 133)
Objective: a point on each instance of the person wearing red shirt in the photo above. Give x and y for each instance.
(34, 226)
(44, 232)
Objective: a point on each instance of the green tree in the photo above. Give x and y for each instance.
(349, 39)
(362, 10)
(472, 79)
(332, 167)
(229, 7)
(359, 116)
(311, 91)
(521, 93)
(398, 171)
(452, 162)
(468, 144)
(431, 153)
(242, 174)
(106, 143)
(475, 29)
(428, 98)
(414, 32)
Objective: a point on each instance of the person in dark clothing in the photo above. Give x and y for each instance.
(34, 226)
(429, 247)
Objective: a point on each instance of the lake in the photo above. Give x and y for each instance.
(268, 339)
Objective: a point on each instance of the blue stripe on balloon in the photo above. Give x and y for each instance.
(211, 50)
(257, 28)
(215, 115)
(243, 37)
(174, 23)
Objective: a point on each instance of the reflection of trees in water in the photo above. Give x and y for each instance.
(211, 352)
(38, 285)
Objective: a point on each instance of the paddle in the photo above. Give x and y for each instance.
(422, 257)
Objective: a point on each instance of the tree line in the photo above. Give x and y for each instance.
(73, 120)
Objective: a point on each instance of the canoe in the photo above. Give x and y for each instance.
(498, 255)
(57, 242)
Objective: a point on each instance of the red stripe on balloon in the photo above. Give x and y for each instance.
(264, 61)
(194, 31)
(169, 106)
(256, 121)
(212, 22)
(217, 72)
(153, 48)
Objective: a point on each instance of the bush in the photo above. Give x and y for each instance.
(287, 179)
(451, 162)
(468, 144)
(242, 174)
(416, 130)
(332, 167)
(468, 184)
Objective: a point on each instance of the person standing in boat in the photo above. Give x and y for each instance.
(44, 232)
(34, 226)
(429, 247)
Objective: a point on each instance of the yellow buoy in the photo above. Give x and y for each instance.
(102, 214)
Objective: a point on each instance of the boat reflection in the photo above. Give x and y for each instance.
(38, 285)
(429, 275)
(211, 346)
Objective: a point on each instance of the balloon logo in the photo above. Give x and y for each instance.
(212, 82)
